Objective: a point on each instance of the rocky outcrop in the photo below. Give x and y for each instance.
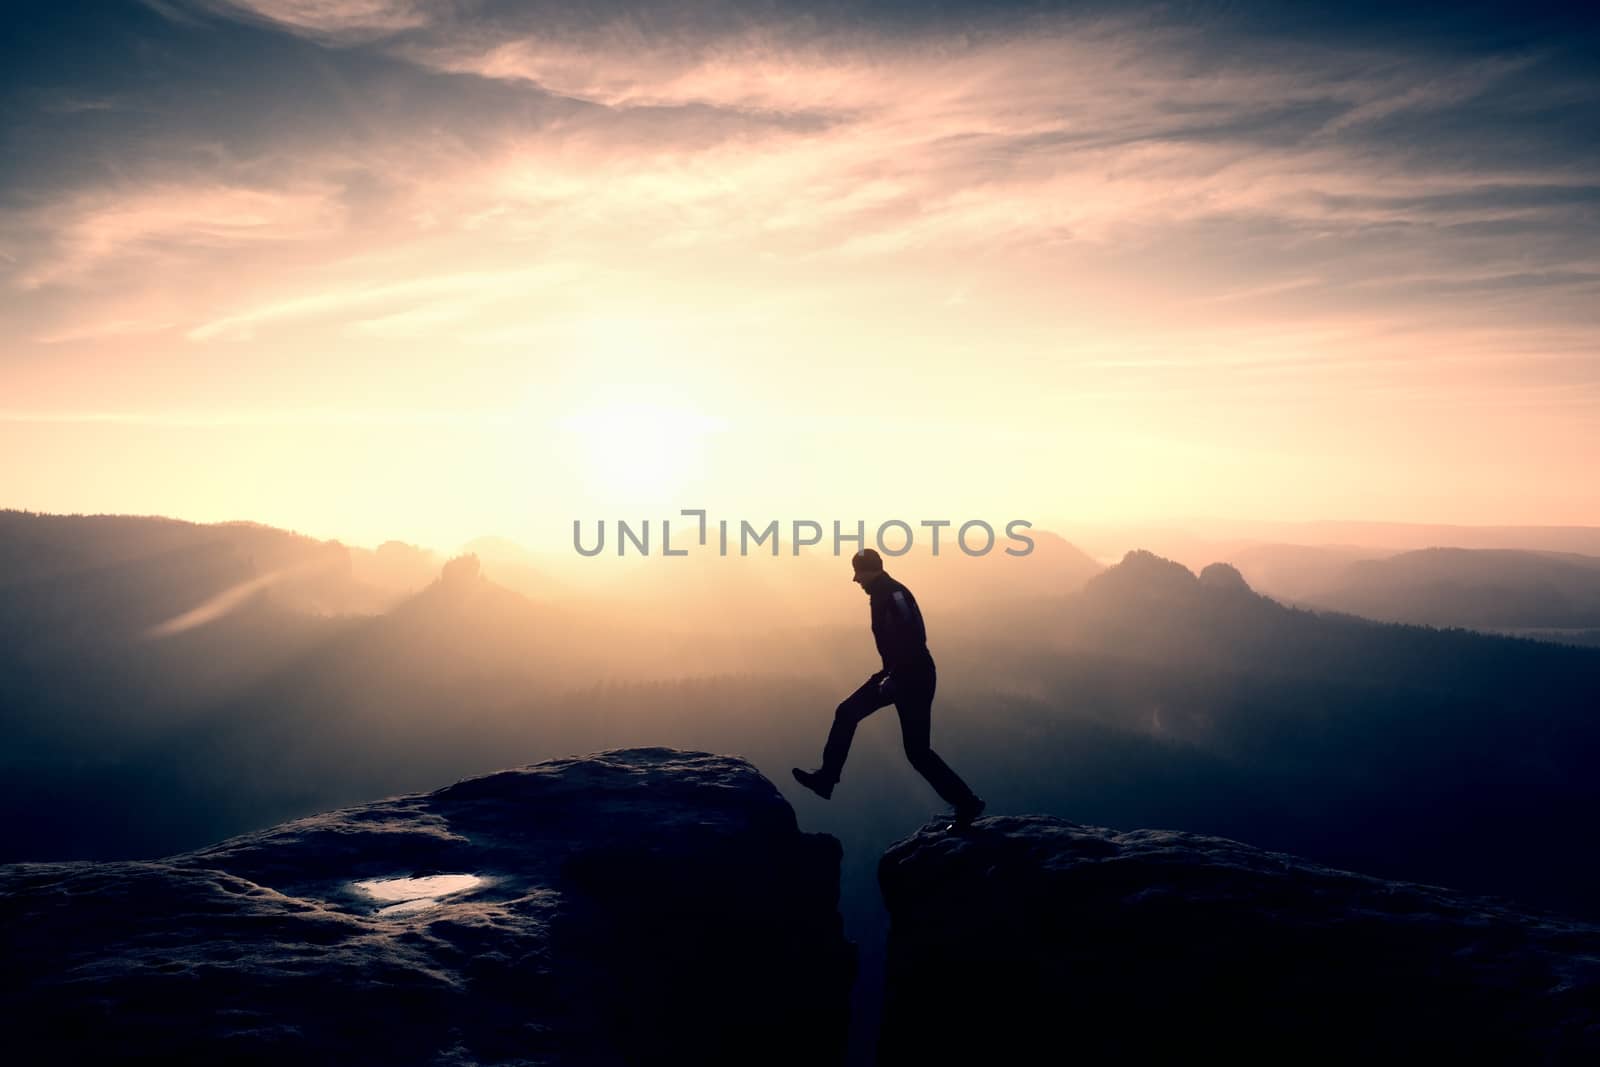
(1143, 578)
(1033, 933)
(638, 906)
(1224, 576)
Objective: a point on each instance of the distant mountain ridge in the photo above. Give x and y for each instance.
(1474, 588)
(303, 573)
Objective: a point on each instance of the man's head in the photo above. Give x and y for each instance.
(867, 565)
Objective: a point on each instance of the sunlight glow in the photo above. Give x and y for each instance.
(642, 450)
(231, 599)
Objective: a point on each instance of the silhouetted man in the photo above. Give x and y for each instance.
(906, 681)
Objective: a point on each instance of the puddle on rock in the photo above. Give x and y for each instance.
(415, 894)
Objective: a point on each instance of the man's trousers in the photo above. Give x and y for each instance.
(911, 692)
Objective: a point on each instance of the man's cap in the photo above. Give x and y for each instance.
(867, 563)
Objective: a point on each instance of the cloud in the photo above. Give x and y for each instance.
(1057, 129)
(85, 232)
(382, 309)
(1218, 172)
(334, 21)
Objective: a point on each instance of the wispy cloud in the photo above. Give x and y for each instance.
(85, 231)
(1049, 133)
(379, 309)
(336, 21)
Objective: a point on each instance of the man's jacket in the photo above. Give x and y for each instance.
(897, 626)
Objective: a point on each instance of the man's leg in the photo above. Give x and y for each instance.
(856, 706)
(916, 724)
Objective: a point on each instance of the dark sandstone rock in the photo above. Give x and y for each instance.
(1033, 935)
(639, 906)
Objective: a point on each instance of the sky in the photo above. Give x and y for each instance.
(432, 269)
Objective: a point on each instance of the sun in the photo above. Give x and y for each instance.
(640, 452)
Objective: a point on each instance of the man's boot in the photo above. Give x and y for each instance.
(814, 781)
(969, 810)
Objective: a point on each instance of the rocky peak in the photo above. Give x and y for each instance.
(636, 906)
(1032, 933)
(1223, 576)
(1142, 576)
